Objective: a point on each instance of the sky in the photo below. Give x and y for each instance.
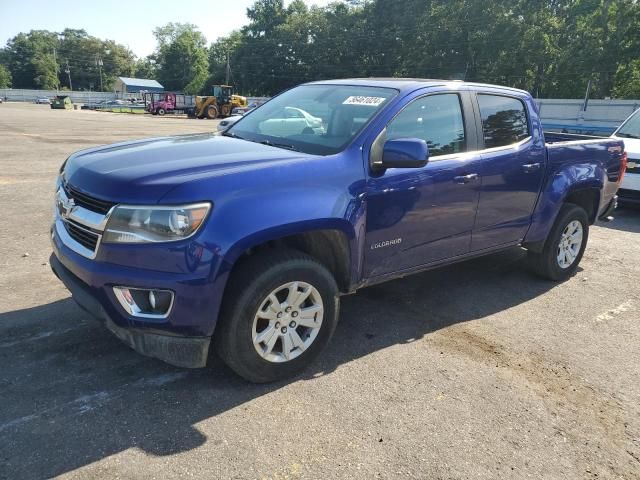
(130, 23)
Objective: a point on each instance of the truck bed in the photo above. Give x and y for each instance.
(555, 137)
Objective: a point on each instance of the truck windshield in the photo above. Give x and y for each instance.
(630, 128)
(315, 119)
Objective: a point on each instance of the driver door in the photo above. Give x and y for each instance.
(418, 216)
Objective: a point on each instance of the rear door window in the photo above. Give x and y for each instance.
(504, 120)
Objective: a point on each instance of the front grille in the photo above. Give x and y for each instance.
(86, 201)
(84, 237)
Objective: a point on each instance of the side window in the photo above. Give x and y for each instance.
(436, 119)
(504, 120)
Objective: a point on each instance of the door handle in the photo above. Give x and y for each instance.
(531, 167)
(465, 178)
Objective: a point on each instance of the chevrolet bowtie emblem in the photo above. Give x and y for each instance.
(65, 205)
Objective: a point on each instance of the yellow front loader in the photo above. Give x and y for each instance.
(219, 104)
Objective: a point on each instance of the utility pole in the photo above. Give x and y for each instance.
(99, 64)
(226, 82)
(55, 60)
(68, 72)
(586, 96)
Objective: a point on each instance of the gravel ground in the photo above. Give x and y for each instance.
(479, 370)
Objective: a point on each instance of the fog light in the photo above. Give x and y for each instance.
(152, 299)
(143, 302)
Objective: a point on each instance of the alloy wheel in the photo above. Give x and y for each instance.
(287, 322)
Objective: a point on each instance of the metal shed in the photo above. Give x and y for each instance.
(136, 85)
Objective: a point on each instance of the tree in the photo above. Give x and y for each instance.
(182, 58)
(550, 47)
(146, 67)
(30, 58)
(627, 81)
(35, 60)
(5, 77)
(221, 50)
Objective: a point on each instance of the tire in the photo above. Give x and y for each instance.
(212, 112)
(161, 111)
(548, 262)
(247, 297)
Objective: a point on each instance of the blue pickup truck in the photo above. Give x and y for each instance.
(244, 241)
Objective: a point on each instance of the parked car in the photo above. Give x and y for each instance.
(290, 120)
(629, 132)
(42, 101)
(245, 241)
(243, 110)
(227, 122)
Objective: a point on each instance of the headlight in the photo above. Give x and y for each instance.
(133, 224)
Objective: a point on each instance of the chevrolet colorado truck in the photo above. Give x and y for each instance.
(246, 240)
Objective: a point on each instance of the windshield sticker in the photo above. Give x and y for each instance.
(359, 100)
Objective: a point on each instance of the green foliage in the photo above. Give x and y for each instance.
(146, 68)
(550, 48)
(627, 82)
(39, 59)
(182, 58)
(5, 77)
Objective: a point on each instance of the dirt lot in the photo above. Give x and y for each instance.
(475, 371)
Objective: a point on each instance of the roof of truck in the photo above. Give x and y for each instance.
(406, 83)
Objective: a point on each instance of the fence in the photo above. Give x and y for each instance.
(23, 95)
(601, 117)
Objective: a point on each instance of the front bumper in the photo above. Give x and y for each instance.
(605, 214)
(182, 351)
(629, 197)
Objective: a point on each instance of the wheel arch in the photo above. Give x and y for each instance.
(587, 197)
(329, 241)
(564, 187)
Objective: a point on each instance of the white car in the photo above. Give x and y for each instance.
(291, 121)
(227, 122)
(629, 132)
(42, 101)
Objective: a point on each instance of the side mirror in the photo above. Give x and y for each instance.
(404, 153)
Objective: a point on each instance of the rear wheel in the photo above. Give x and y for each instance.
(280, 311)
(564, 247)
(212, 112)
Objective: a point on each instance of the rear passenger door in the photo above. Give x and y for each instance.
(511, 170)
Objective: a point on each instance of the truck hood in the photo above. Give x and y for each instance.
(145, 170)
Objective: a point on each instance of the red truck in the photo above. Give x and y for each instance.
(165, 102)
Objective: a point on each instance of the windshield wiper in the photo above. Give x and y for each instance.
(233, 135)
(286, 146)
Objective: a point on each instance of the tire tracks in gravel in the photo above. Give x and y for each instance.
(580, 412)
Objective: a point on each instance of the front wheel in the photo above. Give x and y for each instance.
(564, 246)
(212, 112)
(280, 311)
(161, 111)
